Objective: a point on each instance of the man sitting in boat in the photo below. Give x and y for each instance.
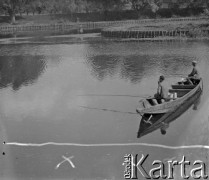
(194, 75)
(162, 91)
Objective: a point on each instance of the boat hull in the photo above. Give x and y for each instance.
(168, 117)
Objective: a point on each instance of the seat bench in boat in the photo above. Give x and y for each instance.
(176, 86)
(180, 92)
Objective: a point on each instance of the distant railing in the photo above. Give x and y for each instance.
(86, 25)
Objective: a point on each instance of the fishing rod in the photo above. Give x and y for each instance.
(114, 95)
(176, 75)
(3, 84)
(127, 95)
(110, 110)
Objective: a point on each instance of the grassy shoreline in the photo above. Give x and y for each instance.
(193, 25)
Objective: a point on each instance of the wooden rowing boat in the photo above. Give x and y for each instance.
(152, 122)
(154, 106)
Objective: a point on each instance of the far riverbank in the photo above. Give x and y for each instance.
(161, 30)
(108, 28)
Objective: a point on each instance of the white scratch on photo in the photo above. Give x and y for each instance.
(66, 159)
(109, 145)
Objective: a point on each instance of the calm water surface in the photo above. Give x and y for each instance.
(48, 84)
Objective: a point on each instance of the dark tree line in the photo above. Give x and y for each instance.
(14, 7)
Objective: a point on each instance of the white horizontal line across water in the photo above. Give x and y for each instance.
(106, 145)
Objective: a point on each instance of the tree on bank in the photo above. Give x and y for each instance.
(11, 7)
(71, 7)
(141, 5)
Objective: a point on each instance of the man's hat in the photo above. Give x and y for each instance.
(162, 77)
(194, 62)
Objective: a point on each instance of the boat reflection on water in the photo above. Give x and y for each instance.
(150, 123)
(197, 103)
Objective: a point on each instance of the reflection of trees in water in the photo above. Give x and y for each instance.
(132, 68)
(103, 65)
(133, 61)
(175, 65)
(20, 70)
